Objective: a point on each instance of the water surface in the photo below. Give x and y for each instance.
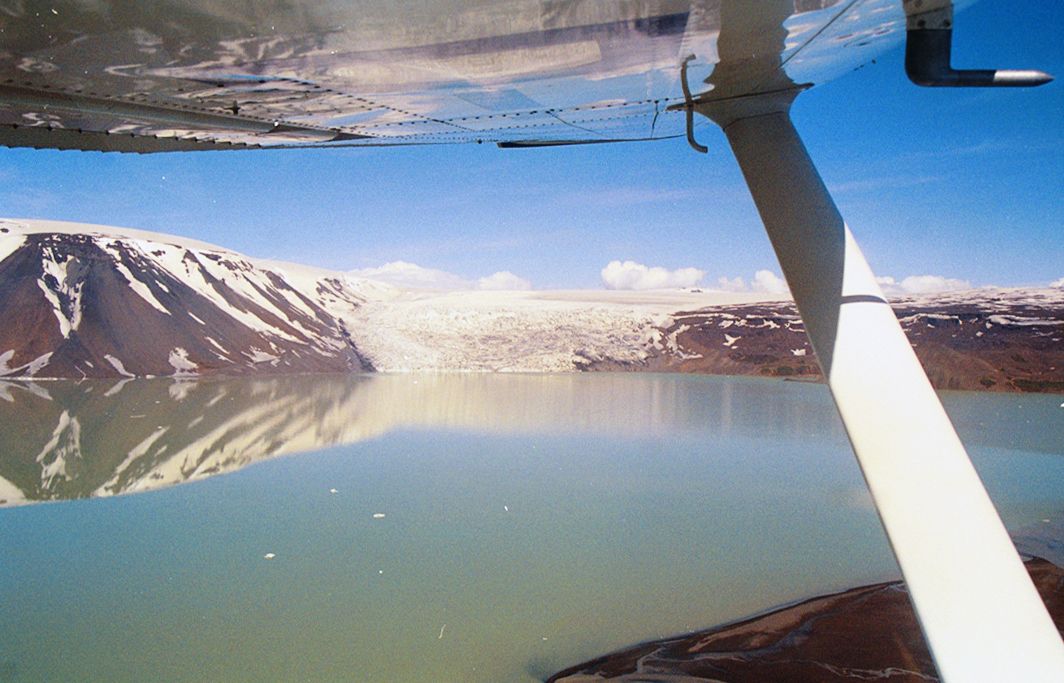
(530, 522)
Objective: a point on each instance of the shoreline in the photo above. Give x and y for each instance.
(864, 632)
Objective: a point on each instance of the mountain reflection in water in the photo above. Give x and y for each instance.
(63, 440)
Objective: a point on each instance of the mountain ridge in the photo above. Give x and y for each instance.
(82, 300)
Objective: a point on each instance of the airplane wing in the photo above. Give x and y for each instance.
(181, 75)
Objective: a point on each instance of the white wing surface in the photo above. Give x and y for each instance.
(214, 74)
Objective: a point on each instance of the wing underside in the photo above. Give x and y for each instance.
(201, 74)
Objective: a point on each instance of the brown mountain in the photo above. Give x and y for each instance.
(99, 305)
(1003, 340)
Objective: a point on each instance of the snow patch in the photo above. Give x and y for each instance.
(180, 363)
(1020, 321)
(672, 344)
(35, 365)
(117, 365)
(141, 289)
(257, 355)
(69, 316)
(216, 345)
(9, 242)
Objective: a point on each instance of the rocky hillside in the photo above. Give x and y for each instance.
(93, 302)
(999, 339)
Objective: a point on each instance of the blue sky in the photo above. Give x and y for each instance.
(964, 184)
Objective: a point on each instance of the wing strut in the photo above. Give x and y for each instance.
(979, 612)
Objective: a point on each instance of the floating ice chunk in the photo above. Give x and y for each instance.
(506, 508)
(269, 556)
(378, 515)
(441, 632)
(333, 491)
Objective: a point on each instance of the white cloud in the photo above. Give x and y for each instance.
(763, 281)
(632, 275)
(412, 276)
(1057, 283)
(922, 284)
(408, 275)
(735, 284)
(504, 279)
(767, 281)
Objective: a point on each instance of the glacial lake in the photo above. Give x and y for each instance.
(437, 528)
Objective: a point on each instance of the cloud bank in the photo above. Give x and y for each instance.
(763, 281)
(922, 284)
(502, 280)
(1057, 283)
(632, 275)
(407, 275)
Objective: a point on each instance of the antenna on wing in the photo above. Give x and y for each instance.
(928, 42)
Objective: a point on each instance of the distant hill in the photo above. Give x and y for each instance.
(997, 339)
(94, 301)
(90, 301)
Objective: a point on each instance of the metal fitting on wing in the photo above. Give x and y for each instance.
(689, 108)
(928, 44)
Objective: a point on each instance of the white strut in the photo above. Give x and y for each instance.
(978, 609)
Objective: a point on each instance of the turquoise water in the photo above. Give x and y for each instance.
(529, 522)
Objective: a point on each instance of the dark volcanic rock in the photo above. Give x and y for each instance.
(867, 633)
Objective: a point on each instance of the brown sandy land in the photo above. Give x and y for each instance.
(861, 634)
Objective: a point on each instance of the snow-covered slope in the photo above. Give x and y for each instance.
(83, 300)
